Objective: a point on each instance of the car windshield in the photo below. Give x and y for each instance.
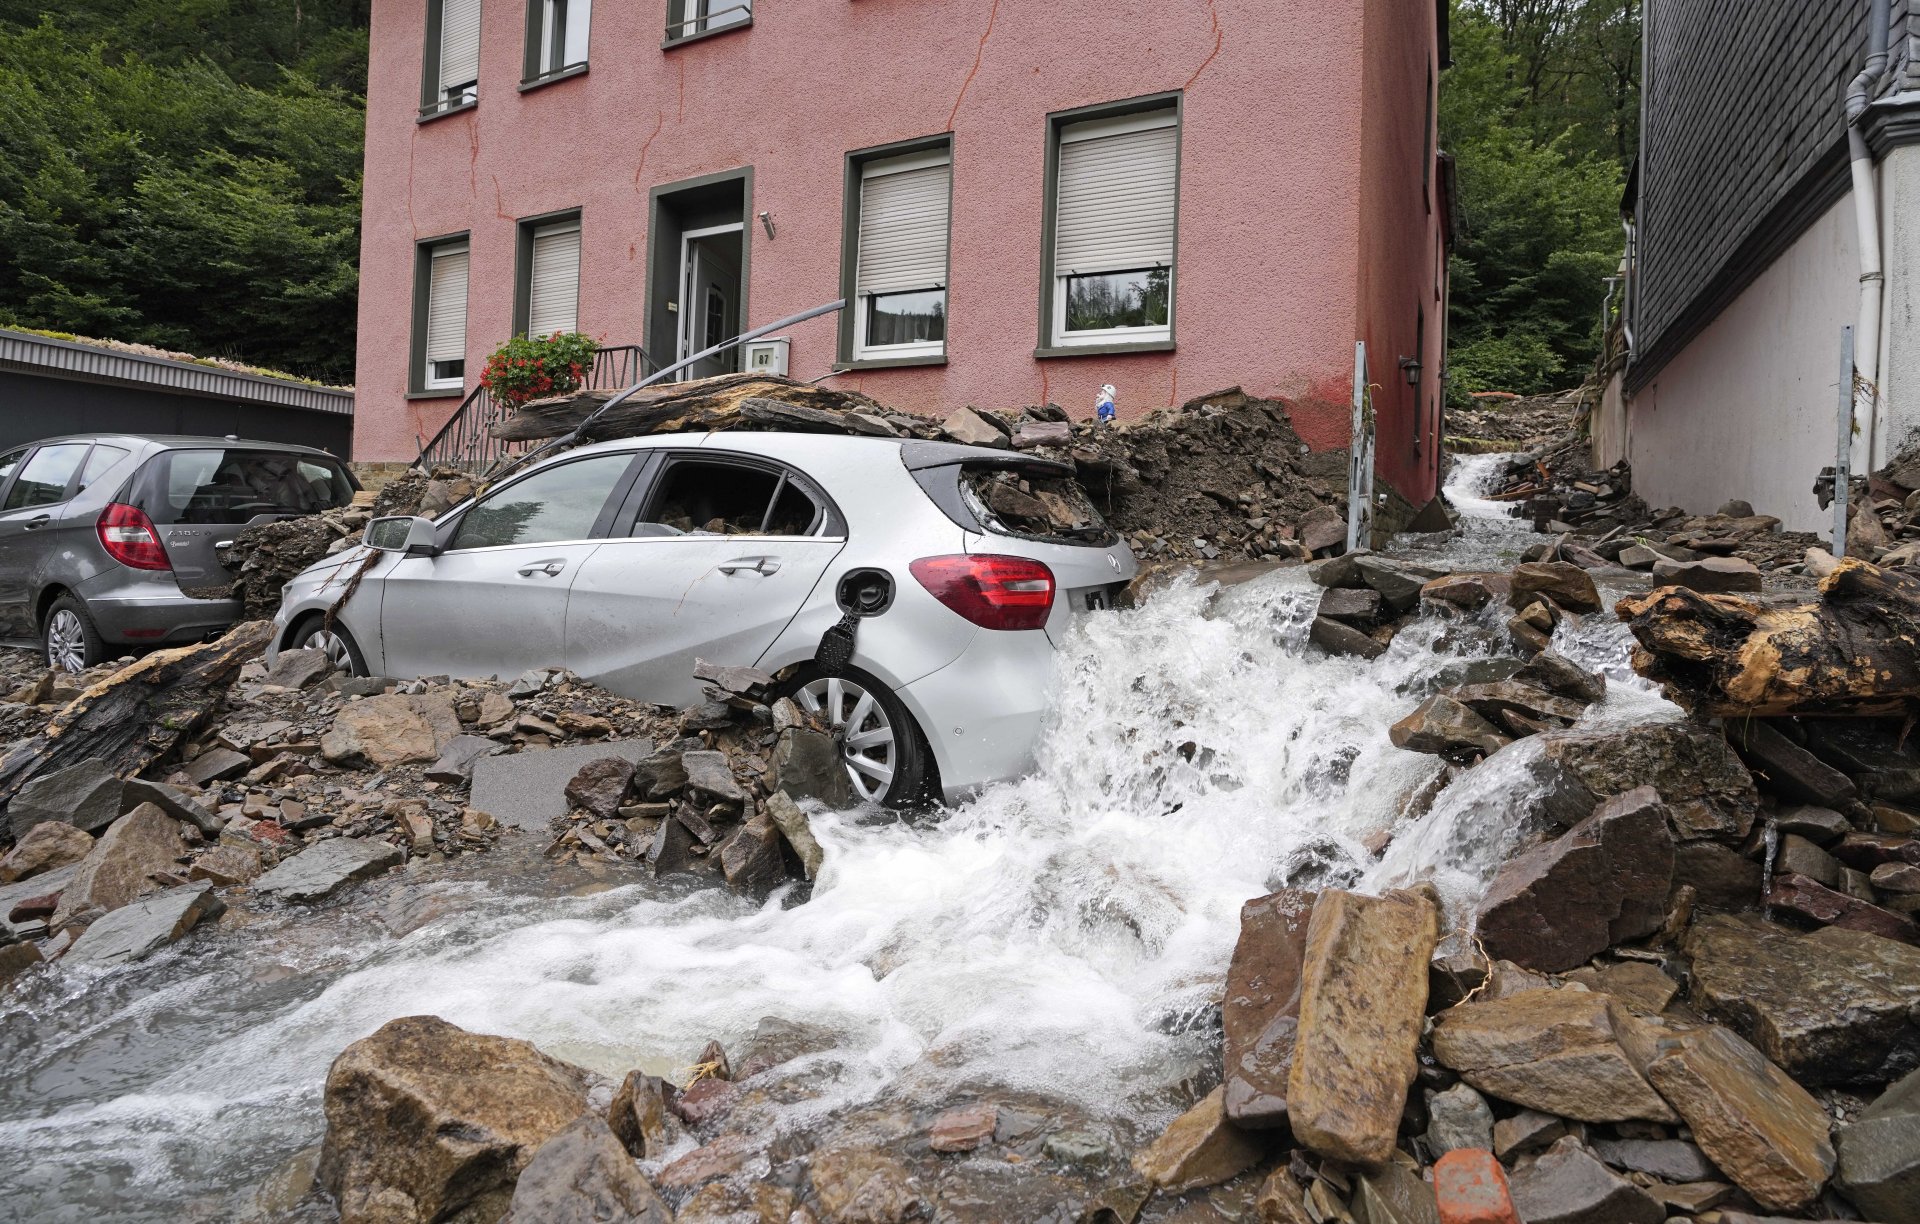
(236, 484)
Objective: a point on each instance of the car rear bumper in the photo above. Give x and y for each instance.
(982, 713)
(154, 611)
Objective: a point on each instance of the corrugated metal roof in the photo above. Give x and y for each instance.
(69, 359)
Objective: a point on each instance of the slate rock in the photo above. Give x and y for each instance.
(1568, 586)
(969, 428)
(1813, 900)
(16, 959)
(675, 850)
(1260, 1014)
(1443, 727)
(86, 796)
(226, 864)
(1831, 1007)
(641, 1115)
(1557, 1051)
(809, 764)
(120, 867)
(455, 763)
(1339, 639)
(1458, 1118)
(1817, 824)
(1789, 769)
(1672, 1160)
(1526, 1131)
(1398, 581)
(1795, 855)
(859, 1184)
(49, 845)
(1566, 1185)
(1363, 999)
(1709, 575)
(1499, 701)
(1722, 878)
(391, 729)
(1199, 1148)
(1707, 790)
(426, 1121)
(296, 669)
(750, 858)
(583, 1176)
(1879, 1155)
(1360, 607)
(1322, 528)
(964, 1128)
(1603, 882)
(710, 773)
(174, 802)
(601, 786)
(216, 765)
(140, 928)
(1561, 676)
(324, 868)
(798, 831)
(1469, 591)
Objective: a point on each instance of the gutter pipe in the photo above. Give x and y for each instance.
(1866, 209)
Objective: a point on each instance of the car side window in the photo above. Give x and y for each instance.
(558, 503)
(44, 478)
(99, 461)
(10, 461)
(704, 497)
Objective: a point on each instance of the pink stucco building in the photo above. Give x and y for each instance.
(1021, 202)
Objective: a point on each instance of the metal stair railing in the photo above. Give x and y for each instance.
(466, 440)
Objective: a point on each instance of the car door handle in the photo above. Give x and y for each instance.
(759, 565)
(38, 521)
(543, 569)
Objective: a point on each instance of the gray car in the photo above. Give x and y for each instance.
(107, 540)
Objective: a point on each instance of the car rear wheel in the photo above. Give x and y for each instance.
(336, 643)
(70, 641)
(886, 758)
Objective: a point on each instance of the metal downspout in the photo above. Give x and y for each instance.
(1866, 209)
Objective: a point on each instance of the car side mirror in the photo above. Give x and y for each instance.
(404, 533)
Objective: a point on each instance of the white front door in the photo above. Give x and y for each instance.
(709, 292)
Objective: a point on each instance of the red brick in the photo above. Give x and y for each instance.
(1472, 1189)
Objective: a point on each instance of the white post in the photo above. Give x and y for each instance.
(1360, 457)
(1843, 448)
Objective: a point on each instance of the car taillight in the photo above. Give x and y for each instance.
(993, 592)
(129, 537)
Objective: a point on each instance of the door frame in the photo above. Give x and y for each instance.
(689, 315)
(664, 204)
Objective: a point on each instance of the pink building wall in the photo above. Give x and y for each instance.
(1281, 213)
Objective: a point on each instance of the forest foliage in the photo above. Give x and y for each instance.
(185, 173)
(1540, 111)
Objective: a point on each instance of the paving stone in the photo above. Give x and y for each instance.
(526, 790)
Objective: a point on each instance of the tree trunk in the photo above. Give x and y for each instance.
(140, 713)
(1856, 652)
(721, 402)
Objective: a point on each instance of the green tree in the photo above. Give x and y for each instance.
(1538, 112)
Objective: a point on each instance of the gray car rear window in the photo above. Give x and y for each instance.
(236, 484)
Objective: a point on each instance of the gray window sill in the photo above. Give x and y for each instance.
(1104, 350)
(670, 43)
(889, 363)
(564, 74)
(442, 393)
(430, 116)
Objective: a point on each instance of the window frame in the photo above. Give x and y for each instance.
(852, 351)
(525, 230)
(669, 40)
(7, 474)
(1053, 338)
(419, 386)
(539, 38)
(433, 105)
(66, 492)
(831, 525)
(609, 512)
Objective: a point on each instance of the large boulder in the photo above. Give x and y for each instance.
(1363, 998)
(1200, 1148)
(1261, 1013)
(86, 796)
(1557, 1051)
(1605, 881)
(1708, 792)
(48, 845)
(1566, 584)
(391, 729)
(121, 865)
(583, 1176)
(137, 930)
(1880, 1155)
(1831, 1007)
(1763, 1130)
(323, 869)
(426, 1121)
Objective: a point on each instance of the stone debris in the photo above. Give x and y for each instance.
(140, 928)
(323, 869)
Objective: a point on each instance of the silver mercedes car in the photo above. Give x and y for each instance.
(954, 569)
(107, 540)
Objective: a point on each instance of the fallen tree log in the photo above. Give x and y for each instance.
(691, 407)
(138, 714)
(1855, 653)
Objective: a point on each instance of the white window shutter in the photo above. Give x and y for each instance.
(1116, 194)
(459, 43)
(554, 281)
(447, 306)
(579, 22)
(903, 229)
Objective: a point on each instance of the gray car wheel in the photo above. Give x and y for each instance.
(336, 643)
(68, 637)
(885, 759)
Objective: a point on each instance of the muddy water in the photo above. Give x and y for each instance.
(1063, 936)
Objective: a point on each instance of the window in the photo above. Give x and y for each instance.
(1116, 188)
(554, 504)
(453, 56)
(706, 498)
(441, 316)
(98, 462)
(692, 18)
(551, 293)
(232, 486)
(44, 478)
(900, 256)
(556, 37)
(10, 461)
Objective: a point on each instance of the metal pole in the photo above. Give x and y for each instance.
(1357, 494)
(1843, 448)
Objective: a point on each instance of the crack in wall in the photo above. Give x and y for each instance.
(979, 54)
(1213, 15)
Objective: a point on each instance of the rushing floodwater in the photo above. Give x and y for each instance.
(1064, 935)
